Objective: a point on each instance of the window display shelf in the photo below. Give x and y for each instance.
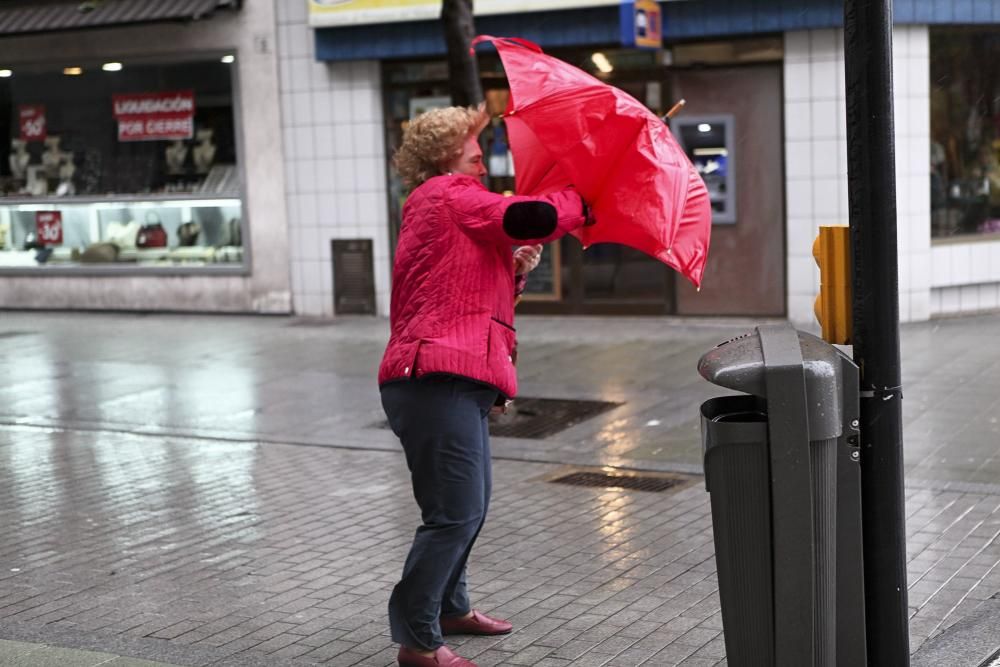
(128, 233)
(159, 199)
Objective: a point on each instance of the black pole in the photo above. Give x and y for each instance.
(872, 195)
(459, 28)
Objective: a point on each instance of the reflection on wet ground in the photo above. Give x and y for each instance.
(242, 378)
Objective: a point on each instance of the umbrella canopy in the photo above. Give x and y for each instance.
(568, 128)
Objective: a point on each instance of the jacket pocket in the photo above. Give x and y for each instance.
(501, 346)
(503, 324)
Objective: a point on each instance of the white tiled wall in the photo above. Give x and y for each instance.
(911, 99)
(965, 277)
(816, 160)
(334, 161)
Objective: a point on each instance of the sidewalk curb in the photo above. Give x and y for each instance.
(138, 648)
(971, 642)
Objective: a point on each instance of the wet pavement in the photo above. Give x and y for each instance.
(215, 491)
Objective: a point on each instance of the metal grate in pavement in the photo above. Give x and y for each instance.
(654, 483)
(538, 418)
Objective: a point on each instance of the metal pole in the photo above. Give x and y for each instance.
(872, 196)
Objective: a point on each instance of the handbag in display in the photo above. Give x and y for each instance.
(231, 233)
(152, 234)
(122, 234)
(187, 233)
(99, 253)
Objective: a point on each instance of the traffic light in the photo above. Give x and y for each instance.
(832, 250)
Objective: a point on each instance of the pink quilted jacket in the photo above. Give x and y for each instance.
(452, 307)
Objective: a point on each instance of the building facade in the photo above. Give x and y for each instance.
(142, 168)
(203, 155)
(772, 76)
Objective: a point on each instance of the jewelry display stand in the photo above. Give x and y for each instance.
(52, 158)
(203, 152)
(176, 154)
(19, 159)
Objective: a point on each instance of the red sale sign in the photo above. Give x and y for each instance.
(32, 119)
(48, 227)
(155, 116)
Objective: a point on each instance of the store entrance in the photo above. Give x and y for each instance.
(732, 130)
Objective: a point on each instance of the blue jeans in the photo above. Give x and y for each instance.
(441, 422)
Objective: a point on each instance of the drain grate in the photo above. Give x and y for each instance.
(607, 480)
(538, 418)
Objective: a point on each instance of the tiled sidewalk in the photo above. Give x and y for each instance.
(233, 554)
(209, 491)
(242, 554)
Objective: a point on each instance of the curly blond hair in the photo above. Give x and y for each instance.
(435, 138)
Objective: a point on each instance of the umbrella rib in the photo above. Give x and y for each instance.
(668, 243)
(554, 97)
(622, 153)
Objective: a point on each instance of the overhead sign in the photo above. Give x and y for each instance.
(642, 24)
(162, 116)
(48, 227)
(32, 121)
(330, 13)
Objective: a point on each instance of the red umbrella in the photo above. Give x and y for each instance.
(568, 128)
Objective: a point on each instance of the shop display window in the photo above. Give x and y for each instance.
(965, 132)
(155, 233)
(120, 164)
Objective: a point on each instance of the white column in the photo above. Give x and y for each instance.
(335, 160)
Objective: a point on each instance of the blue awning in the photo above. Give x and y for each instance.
(600, 26)
(575, 27)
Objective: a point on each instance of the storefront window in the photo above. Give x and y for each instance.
(120, 164)
(965, 132)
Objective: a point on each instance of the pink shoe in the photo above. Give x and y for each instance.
(443, 657)
(477, 624)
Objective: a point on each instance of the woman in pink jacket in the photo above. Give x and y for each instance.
(450, 360)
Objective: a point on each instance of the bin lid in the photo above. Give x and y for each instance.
(739, 364)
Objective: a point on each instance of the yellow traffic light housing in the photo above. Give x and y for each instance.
(834, 310)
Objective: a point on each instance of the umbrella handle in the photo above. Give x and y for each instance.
(479, 39)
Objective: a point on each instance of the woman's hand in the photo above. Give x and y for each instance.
(526, 258)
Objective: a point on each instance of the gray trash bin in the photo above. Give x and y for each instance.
(781, 465)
